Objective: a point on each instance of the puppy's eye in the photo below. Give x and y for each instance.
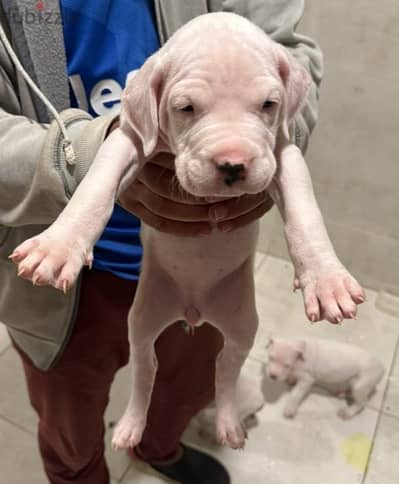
(187, 109)
(267, 105)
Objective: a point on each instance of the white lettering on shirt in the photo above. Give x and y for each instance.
(105, 97)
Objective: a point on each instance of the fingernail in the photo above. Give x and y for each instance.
(218, 213)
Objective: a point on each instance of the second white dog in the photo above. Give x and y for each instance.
(338, 367)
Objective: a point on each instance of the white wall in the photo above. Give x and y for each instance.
(354, 152)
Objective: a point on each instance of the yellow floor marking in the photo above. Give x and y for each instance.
(356, 450)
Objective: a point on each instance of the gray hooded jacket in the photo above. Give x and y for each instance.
(36, 181)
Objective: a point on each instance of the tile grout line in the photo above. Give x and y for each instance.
(390, 415)
(265, 256)
(120, 481)
(14, 424)
(381, 412)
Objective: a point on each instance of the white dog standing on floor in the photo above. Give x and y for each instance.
(338, 367)
(216, 95)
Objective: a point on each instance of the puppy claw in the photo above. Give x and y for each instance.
(21, 272)
(65, 287)
(89, 261)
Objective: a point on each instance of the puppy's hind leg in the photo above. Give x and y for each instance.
(230, 430)
(148, 317)
(238, 323)
(361, 389)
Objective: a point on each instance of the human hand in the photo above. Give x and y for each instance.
(157, 198)
(115, 124)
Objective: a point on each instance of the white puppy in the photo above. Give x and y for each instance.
(219, 95)
(338, 367)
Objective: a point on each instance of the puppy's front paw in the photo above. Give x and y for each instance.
(290, 410)
(330, 293)
(52, 258)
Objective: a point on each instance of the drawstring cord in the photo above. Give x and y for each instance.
(67, 144)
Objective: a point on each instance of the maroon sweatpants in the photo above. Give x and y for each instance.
(71, 398)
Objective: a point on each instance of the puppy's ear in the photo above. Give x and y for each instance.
(140, 102)
(297, 82)
(300, 350)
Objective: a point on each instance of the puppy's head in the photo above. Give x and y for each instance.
(283, 357)
(216, 95)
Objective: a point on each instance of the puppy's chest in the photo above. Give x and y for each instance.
(200, 261)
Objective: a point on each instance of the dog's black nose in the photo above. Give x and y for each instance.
(273, 377)
(233, 173)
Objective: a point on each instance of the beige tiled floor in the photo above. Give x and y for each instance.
(316, 447)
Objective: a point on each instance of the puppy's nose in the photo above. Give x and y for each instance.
(232, 173)
(273, 376)
(233, 165)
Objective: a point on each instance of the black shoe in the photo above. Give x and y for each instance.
(194, 467)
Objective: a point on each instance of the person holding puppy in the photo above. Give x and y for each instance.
(71, 345)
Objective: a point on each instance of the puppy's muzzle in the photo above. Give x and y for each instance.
(232, 172)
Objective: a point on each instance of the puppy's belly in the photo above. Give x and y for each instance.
(198, 265)
(336, 388)
(200, 261)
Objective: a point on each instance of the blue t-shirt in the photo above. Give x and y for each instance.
(105, 40)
